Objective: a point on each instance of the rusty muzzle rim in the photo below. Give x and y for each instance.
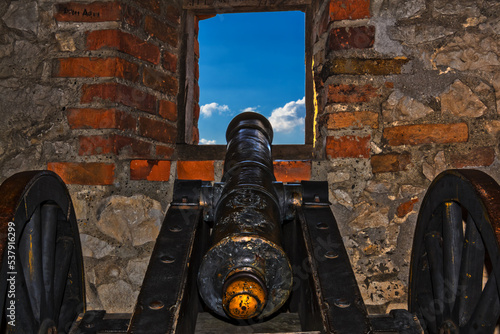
(244, 294)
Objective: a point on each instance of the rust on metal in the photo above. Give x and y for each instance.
(246, 238)
(10, 197)
(489, 192)
(244, 295)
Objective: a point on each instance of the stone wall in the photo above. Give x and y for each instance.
(405, 90)
(96, 91)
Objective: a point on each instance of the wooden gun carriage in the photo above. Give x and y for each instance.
(250, 254)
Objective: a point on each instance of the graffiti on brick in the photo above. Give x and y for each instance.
(82, 13)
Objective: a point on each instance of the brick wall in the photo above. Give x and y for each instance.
(124, 62)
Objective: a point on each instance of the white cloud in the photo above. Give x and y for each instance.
(286, 118)
(204, 141)
(254, 109)
(208, 109)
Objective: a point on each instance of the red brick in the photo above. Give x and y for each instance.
(348, 147)
(292, 171)
(196, 25)
(119, 93)
(90, 12)
(170, 62)
(392, 162)
(196, 93)
(132, 147)
(123, 42)
(168, 110)
(323, 23)
(358, 66)
(173, 14)
(88, 118)
(132, 16)
(318, 82)
(477, 157)
(151, 170)
(160, 30)
(204, 17)
(196, 70)
(406, 207)
(351, 38)
(195, 170)
(196, 135)
(196, 112)
(351, 93)
(116, 144)
(196, 48)
(95, 145)
(157, 130)
(349, 10)
(160, 82)
(357, 119)
(426, 134)
(164, 152)
(152, 5)
(97, 67)
(90, 173)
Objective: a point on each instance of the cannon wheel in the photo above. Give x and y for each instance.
(41, 277)
(455, 258)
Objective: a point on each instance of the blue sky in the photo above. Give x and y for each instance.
(252, 61)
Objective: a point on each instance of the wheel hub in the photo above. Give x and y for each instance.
(448, 327)
(48, 326)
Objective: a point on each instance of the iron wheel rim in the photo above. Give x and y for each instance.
(456, 237)
(48, 272)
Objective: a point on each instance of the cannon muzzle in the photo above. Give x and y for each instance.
(245, 273)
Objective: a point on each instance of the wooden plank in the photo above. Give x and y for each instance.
(218, 152)
(337, 290)
(310, 109)
(292, 152)
(284, 323)
(221, 6)
(199, 152)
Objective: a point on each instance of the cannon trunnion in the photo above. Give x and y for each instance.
(250, 254)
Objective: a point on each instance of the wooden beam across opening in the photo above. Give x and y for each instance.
(217, 152)
(232, 6)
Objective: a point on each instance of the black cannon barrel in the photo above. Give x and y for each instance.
(245, 273)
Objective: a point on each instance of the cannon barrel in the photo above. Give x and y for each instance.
(245, 273)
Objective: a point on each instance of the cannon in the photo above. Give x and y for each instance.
(249, 254)
(246, 261)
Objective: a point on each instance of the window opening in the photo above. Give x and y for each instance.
(253, 62)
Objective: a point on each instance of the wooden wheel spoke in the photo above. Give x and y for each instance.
(452, 252)
(29, 322)
(48, 260)
(468, 308)
(471, 274)
(66, 315)
(49, 230)
(63, 255)
(428, 311)
(485, 316)
(435, 258)
(31, 262)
